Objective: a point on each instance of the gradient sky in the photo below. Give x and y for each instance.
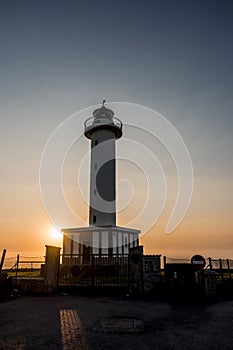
(173, 56)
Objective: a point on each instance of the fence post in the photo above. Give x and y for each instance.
(210, 263)
(17, 266)
(228, 267)
(92, 270)
(220, 264)
(164, 262)
(220, 268)
(2, 259)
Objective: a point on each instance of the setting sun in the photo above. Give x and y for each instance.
(55, 235)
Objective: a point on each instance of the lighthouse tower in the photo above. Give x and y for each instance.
(102, 236)
(103, 129)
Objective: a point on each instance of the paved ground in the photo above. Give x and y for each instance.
(68, 322)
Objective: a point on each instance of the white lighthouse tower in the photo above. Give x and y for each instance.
(103, 129)
(102, 236)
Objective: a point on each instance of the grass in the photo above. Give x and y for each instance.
(28, 273)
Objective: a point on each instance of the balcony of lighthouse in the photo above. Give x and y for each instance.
(102, 122)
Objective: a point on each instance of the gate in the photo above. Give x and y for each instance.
(94, 270)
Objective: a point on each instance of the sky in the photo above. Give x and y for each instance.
(176, 57)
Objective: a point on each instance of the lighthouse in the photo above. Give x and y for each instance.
(103, 129)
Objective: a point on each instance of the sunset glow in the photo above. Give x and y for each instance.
(175, 58)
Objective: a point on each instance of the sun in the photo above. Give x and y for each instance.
(55, 234)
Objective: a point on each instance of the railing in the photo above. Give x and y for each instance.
(103, 121)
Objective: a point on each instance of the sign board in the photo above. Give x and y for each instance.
(151, 263)
(199, 261)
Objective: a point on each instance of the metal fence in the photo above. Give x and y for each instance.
(213, 264)
(24, 266)
(223, 267)
(95, 270)
(23, 262)
(220, 264)
(168, 260)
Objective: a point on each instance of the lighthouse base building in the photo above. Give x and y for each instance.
(99, 240)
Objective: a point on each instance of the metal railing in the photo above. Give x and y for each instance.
(91, 122)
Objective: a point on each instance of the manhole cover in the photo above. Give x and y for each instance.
(119, 325)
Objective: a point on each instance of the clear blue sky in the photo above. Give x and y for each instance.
(60, 56)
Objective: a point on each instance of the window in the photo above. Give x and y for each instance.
(96, 142)
(94, 219)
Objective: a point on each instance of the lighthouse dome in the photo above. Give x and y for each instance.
(103, 113)
(103, 119)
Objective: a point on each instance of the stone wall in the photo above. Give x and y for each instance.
(28, 285)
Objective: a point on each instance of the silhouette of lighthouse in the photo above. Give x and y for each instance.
(102, 236)
(103, 129)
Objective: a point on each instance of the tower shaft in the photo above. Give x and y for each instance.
(102, 211)
(103, 129)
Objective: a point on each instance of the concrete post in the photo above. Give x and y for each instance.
(52, 266)
(136, 271)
